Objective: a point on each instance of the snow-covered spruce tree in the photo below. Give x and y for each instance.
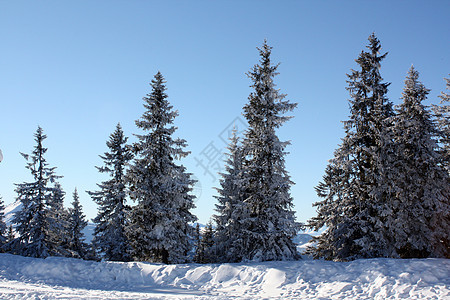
(420, 222)
(31, 222)
(267, 220)
(442, 114)
(159, 229)
(111, 220)
(57, 218)
(3, 230)
(228, 243)
(10, 236)
(204, 252)
(197, 239)
(76, 244)
(354, 185)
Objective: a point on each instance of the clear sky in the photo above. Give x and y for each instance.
(77, 68)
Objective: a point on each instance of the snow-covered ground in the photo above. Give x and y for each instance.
(67, 278)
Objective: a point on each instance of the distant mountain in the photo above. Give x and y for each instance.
(10, 210)
(88, 232)
(302, 239)
(16, 206)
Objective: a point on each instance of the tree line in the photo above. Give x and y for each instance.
(385, 193)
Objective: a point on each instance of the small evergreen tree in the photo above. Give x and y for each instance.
(420, 218)
(77, 246)
(228, 239)
(32, 224)
(111, 220)
(267, 225)
(205, 251)
(9, 239)
(355, 207)
(10, 236)
(197, 239)
(57, 220)
(3, 233)
(159, 229)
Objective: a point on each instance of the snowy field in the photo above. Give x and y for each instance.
(66, 278)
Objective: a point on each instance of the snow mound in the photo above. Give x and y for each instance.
(66, 278)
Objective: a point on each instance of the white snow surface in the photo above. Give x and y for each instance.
(68, 278)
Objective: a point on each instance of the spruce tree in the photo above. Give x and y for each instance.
(76, 244)
(442, 114)
(10, 236)
(9, 239)
(3, 230)
(109, 233)
(420, 218)
(197, 239)
(354, 185)
(57, 218)
(205, 251)
(159, 229)
(32, 224)
(228, 239)
(267, 225)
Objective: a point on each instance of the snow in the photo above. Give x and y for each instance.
(68, 278)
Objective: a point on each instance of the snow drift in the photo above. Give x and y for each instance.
(64, 278)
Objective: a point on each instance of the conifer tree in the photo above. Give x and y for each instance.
(354, 185)
(10, 236)
(228, 239)
(77, 245)
(3, 232)
(109, 234)
(197, 239)
(57, 218)
(442, 114)
(420, 218)
(32, 224)
(204, 253)
(268, 223)
(159, 229)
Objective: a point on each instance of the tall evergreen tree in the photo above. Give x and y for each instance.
(159, 228)
(32, 224)
(228, 239)
(354, 184)
(268, 223)
(420, 218)
(442, 114)
(109, 234)
(77, 245)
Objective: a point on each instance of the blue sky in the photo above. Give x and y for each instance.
(77, 68)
